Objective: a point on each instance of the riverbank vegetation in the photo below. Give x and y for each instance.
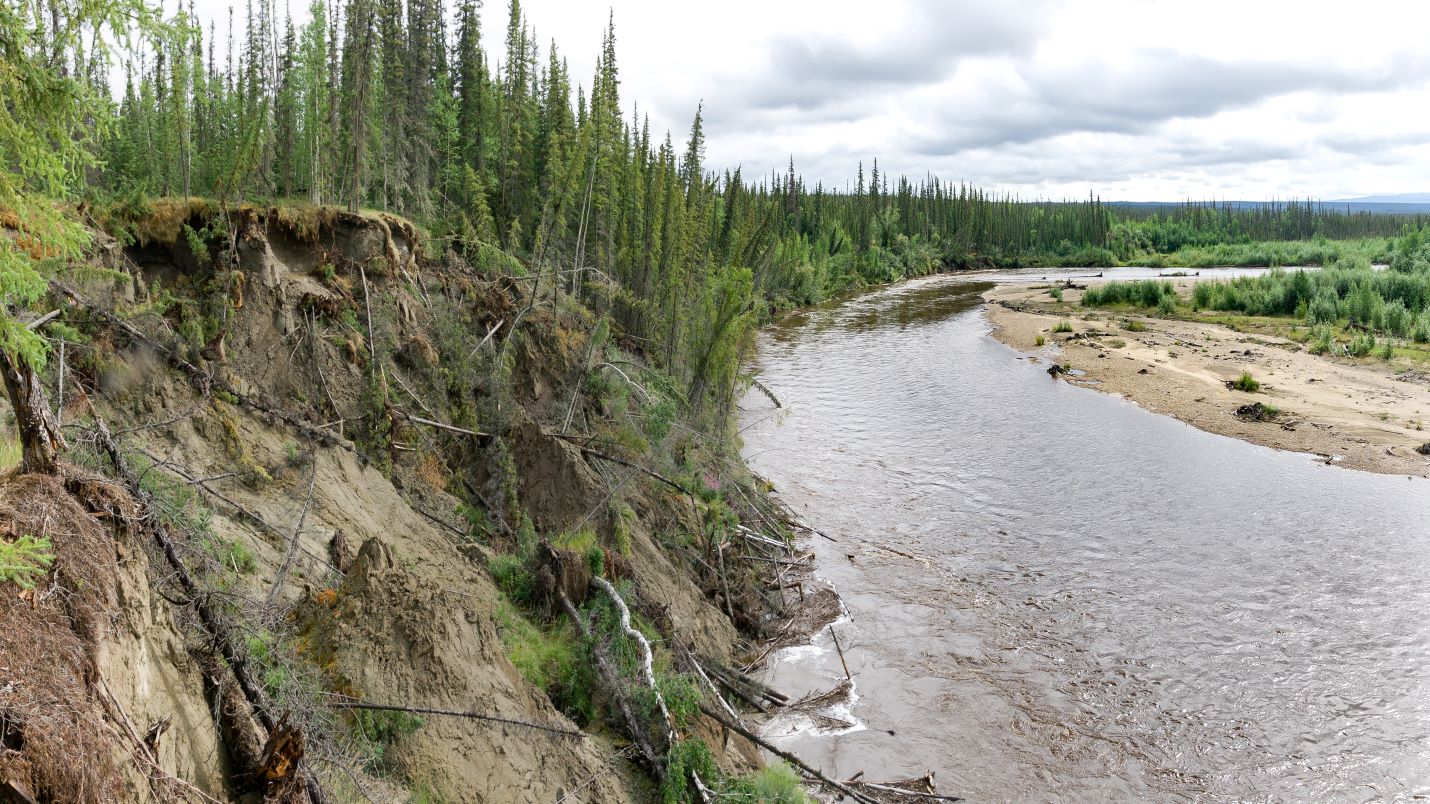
(1348, 308)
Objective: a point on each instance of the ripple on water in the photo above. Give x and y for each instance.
(1113, 605)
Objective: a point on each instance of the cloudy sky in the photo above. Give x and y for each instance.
(1129, 99)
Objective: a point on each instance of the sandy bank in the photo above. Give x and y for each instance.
(1358, 414)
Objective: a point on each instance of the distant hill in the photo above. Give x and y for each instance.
(1404, 204)
(1395, 198)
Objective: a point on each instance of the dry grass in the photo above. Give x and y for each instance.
(9, 451)
(50, 716)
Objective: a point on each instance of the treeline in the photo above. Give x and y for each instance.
(1164, 229)
(403, 105)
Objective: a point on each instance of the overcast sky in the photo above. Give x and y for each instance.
(1129, 99)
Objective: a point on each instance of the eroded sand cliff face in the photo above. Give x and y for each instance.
(385, 595)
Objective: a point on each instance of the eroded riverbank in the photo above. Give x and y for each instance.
(1357, 414)
(1055, 595)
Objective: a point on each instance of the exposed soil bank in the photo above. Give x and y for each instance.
(1357, 414)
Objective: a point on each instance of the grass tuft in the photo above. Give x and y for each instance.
(1246, 383)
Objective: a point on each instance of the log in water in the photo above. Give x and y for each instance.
(1092, 602)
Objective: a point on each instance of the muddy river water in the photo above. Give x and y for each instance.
(1083, 601)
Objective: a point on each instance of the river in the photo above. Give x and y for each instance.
(1084, 601)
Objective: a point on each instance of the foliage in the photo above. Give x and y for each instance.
(378, 730)
(1063, 325)
(1246, 383)
(774, 784)
(24, 560)
(552, 658)
(513, 576)
(1136, 293)
(51, 121)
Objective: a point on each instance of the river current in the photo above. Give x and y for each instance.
(1055, 595)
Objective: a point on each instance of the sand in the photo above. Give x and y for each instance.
(1357, 414)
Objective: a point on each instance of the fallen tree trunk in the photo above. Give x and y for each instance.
(427, 710)
(647, 657)
(216, 626)
(785, 755)
(613, 680)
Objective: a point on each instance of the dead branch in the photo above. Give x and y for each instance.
(483, 342)
(345, 703)
(217, 627)
(783, 754)
(451, 428)
(396, 375)
(203, 484)
(43, 320)
(613, 680)
(623, 462)
(293, 541)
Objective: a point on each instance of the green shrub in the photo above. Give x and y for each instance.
(513, 577)
(1056, 293)
(1246, 383)
(1361, 345)
(378, 730)
(1134, 326)
(773, 784)
(1039, 341)
(1201, 296)
(25, 560)
(1063, 326)
(1323, 339)
(1138, 293)
(1387, 351)
(1167, 305)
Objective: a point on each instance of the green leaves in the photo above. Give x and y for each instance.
(25, 560)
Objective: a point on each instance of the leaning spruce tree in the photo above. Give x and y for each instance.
(48, 114)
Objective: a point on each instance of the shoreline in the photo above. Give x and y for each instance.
(1357, 415)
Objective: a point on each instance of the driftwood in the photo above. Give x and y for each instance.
(764, 690)
(839, 648)
(217, 627)
(785, 755)
(922, 787)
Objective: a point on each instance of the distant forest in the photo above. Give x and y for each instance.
(400, 105)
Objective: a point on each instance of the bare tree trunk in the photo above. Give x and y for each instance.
(40, 437)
